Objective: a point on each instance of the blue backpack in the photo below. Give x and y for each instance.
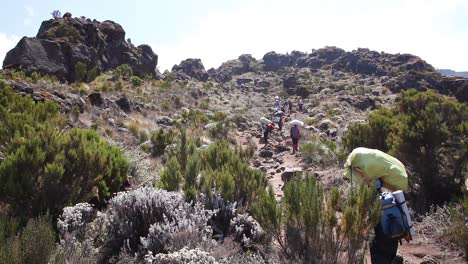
(394, 220)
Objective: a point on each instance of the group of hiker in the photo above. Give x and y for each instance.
(375, 169)
(277, 117)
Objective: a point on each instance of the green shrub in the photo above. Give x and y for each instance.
(143, 136)
(215, 170)
(34, 244)
(311, 121)
(136, 81)
(195, 118)
(64, 31)
(82, 74)
(123, 71)
(35, 76)
(458, 232)
(82, 89)
(80, 71)
(160, 140)
(220, 130)
(92, 74)
(171, 176)
(165, 85)
(319, 152)
(428, 133)
(45, 166)
(306, 226)
(119, 85)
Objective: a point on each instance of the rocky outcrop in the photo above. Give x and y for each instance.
(63, 42)
(190, 68)
(273, 61)
(245, 63)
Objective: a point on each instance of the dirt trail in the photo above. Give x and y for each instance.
(276, 159)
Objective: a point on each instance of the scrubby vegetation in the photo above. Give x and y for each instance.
(306, 223)
(428, 133)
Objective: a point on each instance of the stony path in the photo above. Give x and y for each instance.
(275, 159)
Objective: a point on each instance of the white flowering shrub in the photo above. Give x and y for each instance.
(192, 256)
(135, 223)
(246, 230)
(74, 218)
(224, 211)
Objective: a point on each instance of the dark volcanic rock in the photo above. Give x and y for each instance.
(232, 68)
(360, 102)
(62, 42)
(274, 61)
(96, 99)
(124, 104)
(192, 68)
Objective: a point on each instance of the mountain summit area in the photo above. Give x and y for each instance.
(104, 159)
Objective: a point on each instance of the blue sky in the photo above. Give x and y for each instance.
(218, 30)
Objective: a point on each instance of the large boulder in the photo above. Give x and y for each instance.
(273, 61)
(232, 68)
(63, 42)
(192, 68)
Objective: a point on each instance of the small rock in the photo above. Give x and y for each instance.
(375, 92)
(96, 99)
(319, 116)
(210, 126)
(265, 153)
(429, 260)
(124, 104)
(164, 120)
(326, 124)
(332, 132)
(312, 128)
(111, 121)
(289, 173)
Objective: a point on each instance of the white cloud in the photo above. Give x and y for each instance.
(398, 26)
(29, 15)
(6, 44)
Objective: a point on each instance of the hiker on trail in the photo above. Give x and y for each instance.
(290, 106)
(266, 129)
(295, 135)
(285, 106)
(300, 103)
(379, 170)
(278, 119)
(277, 102)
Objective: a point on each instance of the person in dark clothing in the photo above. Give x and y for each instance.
(290, 106)
(267, 128)
(300, 103)
(295, 135)
(382, 249)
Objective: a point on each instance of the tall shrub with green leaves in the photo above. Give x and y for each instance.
(429, 134)
(44, 166)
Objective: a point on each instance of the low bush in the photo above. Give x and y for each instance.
(160, 140)
(319, 151)
(123, 71)
(35, 243)
(141, 223)
(136, 81)
(306, 225)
